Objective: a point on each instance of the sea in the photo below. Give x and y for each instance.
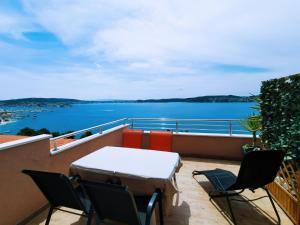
(80, 116)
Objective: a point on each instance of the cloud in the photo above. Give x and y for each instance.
(247, 33)
(13, 24)
(150, 49)
(75, 81)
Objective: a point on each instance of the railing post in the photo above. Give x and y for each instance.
(131, 124)
(100, 130)
(230, 127)
(177, 127)
(55, 146)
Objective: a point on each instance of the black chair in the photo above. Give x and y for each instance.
(115, 202)
(258, 168)
(59, 191)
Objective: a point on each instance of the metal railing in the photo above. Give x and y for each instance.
(100, 129)
(220, 126)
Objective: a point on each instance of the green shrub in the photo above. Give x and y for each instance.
(27, 132)
(280, 111)
(31, 132)
(86, 134)
(43, 131)
(68, 132)
(55, 134)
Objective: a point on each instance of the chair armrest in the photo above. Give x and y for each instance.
(156, 196)
(74, 178)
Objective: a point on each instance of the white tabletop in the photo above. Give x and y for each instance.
(130, 162)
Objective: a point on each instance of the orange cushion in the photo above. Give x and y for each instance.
(160, 140)
(132, 138)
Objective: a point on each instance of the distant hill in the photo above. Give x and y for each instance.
(40, 102)
(209, 98)
(65, 102)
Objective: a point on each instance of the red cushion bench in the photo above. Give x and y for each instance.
(161, 140)
(132, 138)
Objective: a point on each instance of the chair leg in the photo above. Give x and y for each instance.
(227, 195)
(274, 207)
(90, 216)
(49, 215)
(175, 180)
(230, 209)
(161, 216)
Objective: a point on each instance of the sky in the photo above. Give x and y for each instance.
(94, 49)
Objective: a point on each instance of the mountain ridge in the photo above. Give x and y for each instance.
(60, 102)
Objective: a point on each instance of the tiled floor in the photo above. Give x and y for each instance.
(193, 205)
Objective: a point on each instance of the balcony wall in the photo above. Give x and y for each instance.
(207, 145)
(20, 197)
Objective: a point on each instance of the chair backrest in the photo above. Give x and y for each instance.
(132, 138)
(57, 188)
(161, 140)
(258, 169)
(112, 202)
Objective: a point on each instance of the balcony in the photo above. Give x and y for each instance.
(22, 202)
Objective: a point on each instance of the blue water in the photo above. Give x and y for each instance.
(81, 116)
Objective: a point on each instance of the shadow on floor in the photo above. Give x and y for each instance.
(81, 221)
(40, 218)
(180, 215)
(243, 209)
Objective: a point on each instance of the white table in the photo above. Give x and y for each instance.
(141, 170)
